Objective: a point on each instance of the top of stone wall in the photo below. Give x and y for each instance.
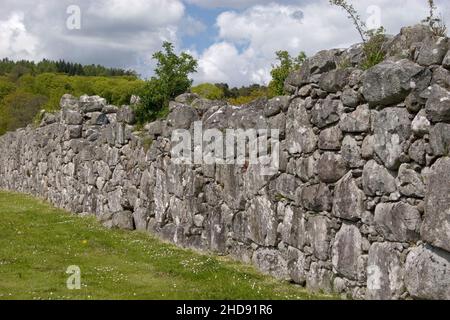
(412, 57)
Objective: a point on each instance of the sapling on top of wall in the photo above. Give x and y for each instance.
(437, 24)
(373, 39)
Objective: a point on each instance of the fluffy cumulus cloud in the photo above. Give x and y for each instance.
(15, 40)
(234, 40)
(253, 35)
(227, 3)
(119, 33)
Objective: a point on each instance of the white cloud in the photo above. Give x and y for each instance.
(15, 40)
(261, 30)
(153, 12)
(222, 62)
(227, 3)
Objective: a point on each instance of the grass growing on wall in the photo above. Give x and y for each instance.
(38, 243)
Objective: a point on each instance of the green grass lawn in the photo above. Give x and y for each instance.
(38, 243)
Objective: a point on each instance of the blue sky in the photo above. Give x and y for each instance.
(235, 40)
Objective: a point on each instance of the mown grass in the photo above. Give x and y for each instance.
(38, 243)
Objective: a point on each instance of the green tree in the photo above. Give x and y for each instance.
(281, 72)
(171, 79)
(209, 91)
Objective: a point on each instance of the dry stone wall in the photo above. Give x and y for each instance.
(360, 204)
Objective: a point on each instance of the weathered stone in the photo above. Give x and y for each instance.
(182, 117)
(427, 273)
(417, 152)
(326, 112)
(390, 82)
(69, 102)
(72, 117)
(277, 122)
(123, 220)
(420, 125)
(154, 128)
(331, 167)
(384, 272)
(350, 98)
(127, 115)
(446, 61)
(440, 139)
(432, 51)
(334, 80)
(102, 120)
(410, 183)
(276, 105)
(436, 225)
(262, 222)
(300, 136)
(348, 201)
(306, 168)
(438, 105)
(346, 251)
(330, 139)
(351, 153)
(315, 198)
(110, 109)
(271, 262)
(404, 44)
(305, 91)
(92, 104)
(399, 222)
(414, 102)
(441, 77)
(319, 235)
(392, 128)
(74, 132)
(357, 121)
(322, 62)
(297, 265)
(187, 98)
(205, 106)
(377, 180)
(319, 279)
(293, 228)
(368, 147)
(285, 185)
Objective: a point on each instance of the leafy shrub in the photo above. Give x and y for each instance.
(374, 51)
(209, 91)
(172, 79)
(281, 72)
